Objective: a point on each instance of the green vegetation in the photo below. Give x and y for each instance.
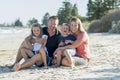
(105, 23)
(100, 15)
(31, 21)
(115, 27)
(67, 11)
(98, 8)
(18, 23)
(45, 18)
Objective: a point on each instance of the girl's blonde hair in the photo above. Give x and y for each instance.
(79, 23)
(36, 25)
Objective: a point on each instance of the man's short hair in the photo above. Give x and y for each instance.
(53, 17)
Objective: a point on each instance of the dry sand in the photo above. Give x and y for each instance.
(105, 63)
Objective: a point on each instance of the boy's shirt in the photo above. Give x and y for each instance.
(64, 38)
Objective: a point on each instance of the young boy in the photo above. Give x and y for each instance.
(65, 39)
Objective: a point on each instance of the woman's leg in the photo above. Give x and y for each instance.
(79, 60)
(27, 63)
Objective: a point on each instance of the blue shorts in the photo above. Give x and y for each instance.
(49, 62)
(33, 52)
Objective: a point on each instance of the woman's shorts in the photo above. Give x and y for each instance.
(79, 60)
(71, 51)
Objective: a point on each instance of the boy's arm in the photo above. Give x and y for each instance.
(61, 44)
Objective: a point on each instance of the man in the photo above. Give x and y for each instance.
(53, 33)
(52, 44)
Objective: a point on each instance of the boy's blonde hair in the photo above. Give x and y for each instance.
(66, 24)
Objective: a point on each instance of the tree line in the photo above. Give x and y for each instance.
(95, 10)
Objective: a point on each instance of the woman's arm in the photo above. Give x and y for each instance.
(76, 43)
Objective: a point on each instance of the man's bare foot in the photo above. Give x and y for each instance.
(16, 67)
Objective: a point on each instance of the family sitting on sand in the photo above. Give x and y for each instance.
(49, 47)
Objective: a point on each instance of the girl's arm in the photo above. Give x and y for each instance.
(44, 40)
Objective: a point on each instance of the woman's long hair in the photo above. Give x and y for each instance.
(79, 23)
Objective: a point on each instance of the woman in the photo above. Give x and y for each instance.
(81, 44)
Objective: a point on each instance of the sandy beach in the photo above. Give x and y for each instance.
(104, 65)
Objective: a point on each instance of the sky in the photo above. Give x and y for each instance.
(10, 10)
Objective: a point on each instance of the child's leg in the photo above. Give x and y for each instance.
(68, 57)
(26, 54)
(70, 61)
(43, 55)
(18, 57)
(58, 58)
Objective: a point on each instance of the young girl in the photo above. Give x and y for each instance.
(37, 41)
(65, 39)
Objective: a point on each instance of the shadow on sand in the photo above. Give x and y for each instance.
(101, 78)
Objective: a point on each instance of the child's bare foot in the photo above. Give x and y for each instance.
(72, 66)
(16, 67)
